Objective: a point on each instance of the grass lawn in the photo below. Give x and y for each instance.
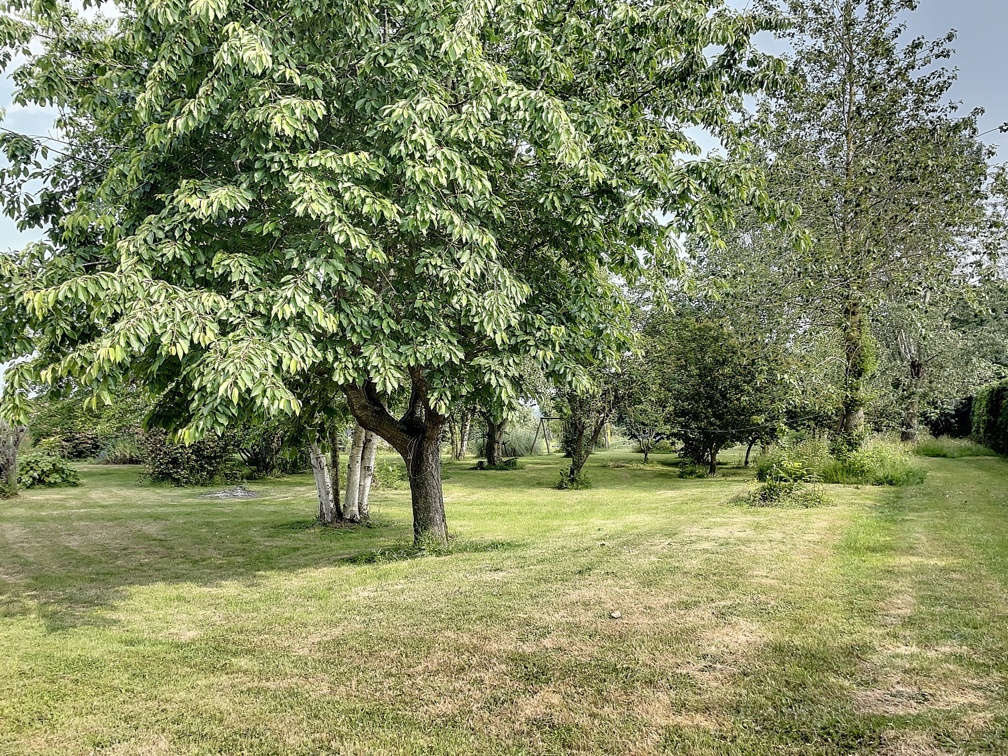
(152, 620)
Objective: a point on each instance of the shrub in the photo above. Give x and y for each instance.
(779, 493)
(689, 470)
(389, 475)
(951, 448)
(990, 417)
(121, 451)
(45, 471)
(196, 464)
(660, 447)
(794, 462)
(577, 482)
(507, 464)
(877, 463)
(292, 460)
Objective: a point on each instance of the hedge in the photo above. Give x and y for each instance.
(990, 417)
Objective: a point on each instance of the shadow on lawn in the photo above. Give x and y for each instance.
(71, 572)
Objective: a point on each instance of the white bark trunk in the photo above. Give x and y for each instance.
(323, 485)
(351, 501)
(366, 473)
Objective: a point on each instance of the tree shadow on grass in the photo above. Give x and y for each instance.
(68, 562)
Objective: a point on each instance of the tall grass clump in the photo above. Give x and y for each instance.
(879, 462)
(950, 448)
(793, 462)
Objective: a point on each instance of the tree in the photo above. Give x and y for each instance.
(643, 405)
(721, 391)
(374, 196)
(586, 413)
(889, 178)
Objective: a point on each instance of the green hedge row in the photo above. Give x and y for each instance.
(990, 417)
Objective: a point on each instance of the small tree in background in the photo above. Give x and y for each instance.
(721, 391)
(643, 405)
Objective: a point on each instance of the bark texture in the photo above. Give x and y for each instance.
(416, 436)
(368, 452)
(351, 501)
(494, 448)
(328, 510)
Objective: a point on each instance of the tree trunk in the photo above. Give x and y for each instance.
(351, 501)
(464, 435)
(10, 445)
(712, 464)
(647, 450)
(583, 438)
(366, 473)
(911, 415)
(494, 441)
(857, 367)
(748, 451)
(424, 466)
(335, 440)
(328, 511)
(417, 438)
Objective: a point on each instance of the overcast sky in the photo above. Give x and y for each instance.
(981, 59)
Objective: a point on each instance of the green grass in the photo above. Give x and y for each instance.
(153, 620)
(950, 448)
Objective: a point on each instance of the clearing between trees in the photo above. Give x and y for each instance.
(157, 620)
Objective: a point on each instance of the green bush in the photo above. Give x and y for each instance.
(390, 475)
(45, 471)
(793, 462)
(990, 417)
(507, 464)
(121, 451)
(878, 462)
(689, 470)
(660, 447)
(781, 493)
(951, 448)
(196, 464)
(578, 483)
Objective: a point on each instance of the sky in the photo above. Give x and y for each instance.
(981, 60)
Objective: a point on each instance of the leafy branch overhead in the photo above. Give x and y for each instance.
(249, 194)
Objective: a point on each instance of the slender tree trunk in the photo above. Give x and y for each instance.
(455, 436)
(327, 513)
(857, 369)
(366, 473)
(10, 445)
(647, 450)
(335, 440)
(748, 451)
(911, 415)
(464, 435)
(712, 463)
(351, 501)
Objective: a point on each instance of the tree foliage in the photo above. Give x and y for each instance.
(373, 196)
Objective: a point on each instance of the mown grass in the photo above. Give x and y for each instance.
(151, 620)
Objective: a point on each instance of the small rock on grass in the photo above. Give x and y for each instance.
(616, 615)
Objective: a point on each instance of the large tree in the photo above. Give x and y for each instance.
(371, 195)
(890, 179)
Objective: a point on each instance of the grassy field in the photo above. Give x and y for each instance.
(151, 620)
